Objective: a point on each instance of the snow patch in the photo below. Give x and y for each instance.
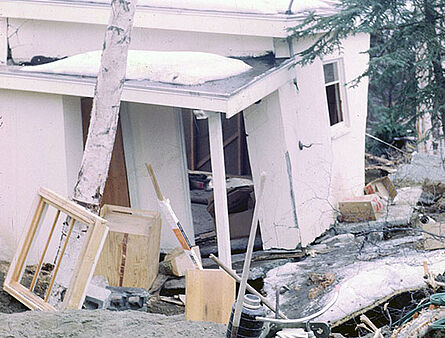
(243, 6)
(185, 68)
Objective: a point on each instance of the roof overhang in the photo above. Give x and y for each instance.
(210, 21)
(229, 96)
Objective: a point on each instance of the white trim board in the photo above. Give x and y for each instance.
(191, 97)
(250, 24)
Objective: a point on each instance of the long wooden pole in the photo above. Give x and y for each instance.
(247, 259)
(175, 224)
(219, 187)
(249, 288)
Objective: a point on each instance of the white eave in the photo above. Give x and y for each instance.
(251, 24)
(201, 97)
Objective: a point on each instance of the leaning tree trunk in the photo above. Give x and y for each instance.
(105, 113)
(101, 133)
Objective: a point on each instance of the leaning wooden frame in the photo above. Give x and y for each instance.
(85, 264)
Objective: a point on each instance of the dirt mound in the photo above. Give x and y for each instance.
(103, 323)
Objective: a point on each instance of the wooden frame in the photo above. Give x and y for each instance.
(86, 261)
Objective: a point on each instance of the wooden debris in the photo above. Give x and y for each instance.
(379, 159)
(361, 208)
(370, 326)
(174, 222)
(86, 261)
(171, 300)
(430, 278)
(382, 187)
(177, 261)
(210, 295)
(431, 243)
(130, 256)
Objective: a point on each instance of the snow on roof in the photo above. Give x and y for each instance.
(242, 6)
(185, 68)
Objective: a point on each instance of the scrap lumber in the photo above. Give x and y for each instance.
(210, 294)
(237, 278)
(379, 159)
(430, 242)
(382, 187)
(130, 256)
(84, 265)
(177, 261)
(174, 222)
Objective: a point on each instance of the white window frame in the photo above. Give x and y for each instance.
(343, 126)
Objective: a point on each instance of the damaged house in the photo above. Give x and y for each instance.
(304, 127)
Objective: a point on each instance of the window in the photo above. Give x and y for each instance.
(333, 92)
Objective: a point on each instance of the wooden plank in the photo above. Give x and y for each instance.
(133, 263)
(42, 257)
(83, 272)
(27, 298)
(219, 188)
(210, 295)
(17, 265)
(69, 207)
(116, 188)
(3, 40)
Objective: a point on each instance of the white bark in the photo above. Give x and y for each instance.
(105, 113)
(101, 133)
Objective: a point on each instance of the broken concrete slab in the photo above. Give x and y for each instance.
(365, 271)
(422, 167)
(398, 214)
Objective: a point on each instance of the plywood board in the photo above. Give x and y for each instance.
(210, 295)
(130, 256)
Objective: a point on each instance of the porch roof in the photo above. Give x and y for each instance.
(229, 96)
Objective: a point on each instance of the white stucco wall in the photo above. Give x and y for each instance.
(35, 151)
(28, 38)
(153, 134)
(348, 149)
(267, 152)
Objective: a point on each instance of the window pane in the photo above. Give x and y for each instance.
(330, 72)
(334, 103)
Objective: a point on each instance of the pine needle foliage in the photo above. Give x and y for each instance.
(406, 67)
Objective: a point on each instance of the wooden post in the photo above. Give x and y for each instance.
(3, 40)
(219, 187)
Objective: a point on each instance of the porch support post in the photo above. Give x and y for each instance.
(3, 40)
(219, 187)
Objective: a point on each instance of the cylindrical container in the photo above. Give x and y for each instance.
(248, 326)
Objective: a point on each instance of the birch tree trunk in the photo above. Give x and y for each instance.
(93, 172)
(105, 112)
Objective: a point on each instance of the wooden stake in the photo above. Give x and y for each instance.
(248, 258)
(175, 224)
